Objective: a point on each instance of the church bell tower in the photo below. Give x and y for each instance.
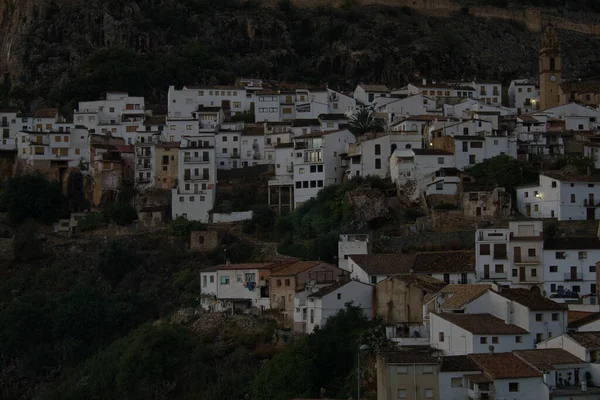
(550, 69)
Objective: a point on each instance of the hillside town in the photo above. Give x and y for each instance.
(515, 316)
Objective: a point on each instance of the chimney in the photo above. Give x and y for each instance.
(491, 349)
(424, 81)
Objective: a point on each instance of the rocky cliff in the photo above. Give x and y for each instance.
(56, 52)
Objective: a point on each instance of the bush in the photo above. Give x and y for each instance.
(121, 214)
(91, 221)
(32, 197)
(445, 206)
(183, 227)
(411, 214)
(116, 260)
(27, 244)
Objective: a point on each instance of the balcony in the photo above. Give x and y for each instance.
(494, 276)
(571, 276)
(492, 237)
(500, 256)
(590, 203)
(195, 160)
(209, 127)
(142, 180)
(196, 178)
(235, 155)
(144, 154)
(4, 124)
(146, 167)
(256, 156)
(535, 260)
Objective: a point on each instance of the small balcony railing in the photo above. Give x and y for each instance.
(194, 160)
(573, 276)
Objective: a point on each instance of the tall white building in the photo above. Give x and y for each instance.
(317, 162)
(195, 194)
(524, 96)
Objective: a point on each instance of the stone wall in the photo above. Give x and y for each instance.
(204, 241)
(432, 242)
(235, 216)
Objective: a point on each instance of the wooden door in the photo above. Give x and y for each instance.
(573, 273)
(522, 275)
(590, 213)
(486, 271)
(517, 254)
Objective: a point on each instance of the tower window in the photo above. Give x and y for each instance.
(552, 64)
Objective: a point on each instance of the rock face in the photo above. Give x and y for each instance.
(55, 52)
(369, 205)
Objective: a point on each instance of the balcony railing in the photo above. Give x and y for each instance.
(196, 178)
(143, 180)
(494, 276)
(4, 124)
(573, 276)
(590, 203)
(195, 160)
(143, 167)
(527, 260)
(256, 157)
(234, 155)
(500, 256)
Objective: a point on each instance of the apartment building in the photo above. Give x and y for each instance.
(232, 99)
(366, 94)
(195, 194)
(524, 96)
(317, 162)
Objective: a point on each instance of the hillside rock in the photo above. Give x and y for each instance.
(369, 205)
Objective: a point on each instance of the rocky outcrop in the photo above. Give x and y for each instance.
(368, 204)
(51, 50)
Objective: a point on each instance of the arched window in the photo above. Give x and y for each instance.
(552, 64)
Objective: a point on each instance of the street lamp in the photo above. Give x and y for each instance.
(362, 347)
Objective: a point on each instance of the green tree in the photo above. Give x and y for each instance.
(91, 221)
(364, 121)
(183, 227)
(27, 243)
(116, 260)
(121, 214)
(32, 197)
(503, 171)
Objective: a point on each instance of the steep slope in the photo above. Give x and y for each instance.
(55, 52)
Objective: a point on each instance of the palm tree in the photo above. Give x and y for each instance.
(364, 121)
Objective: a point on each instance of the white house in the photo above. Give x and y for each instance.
(398, 108)
(592, 150)
(562, 197)
(373, 268)
(453, 377)
(570, 266)
(339, 102)
(524, 96)
(185, 101)
(370, 154)
(505, 376)
(488, 92)
(195, 194)
(327, 301)
(209, 288)
(228, 146)
(243, 286)
(253, 145)
(583, 345)
(351, 243)
(576, 116)
(413, 170)
(11, 122)
(511, 255)
(61, 147)
(366, 94)
(317, 162)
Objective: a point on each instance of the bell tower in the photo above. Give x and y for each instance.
(550, 69)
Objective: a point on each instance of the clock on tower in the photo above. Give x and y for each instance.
(550, 68)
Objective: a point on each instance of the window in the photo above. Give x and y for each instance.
(576, 288)
(298, 185)
(553, 184)
(513, 386)
(518, 339)
(472, 159)
(441, 160)
(401, 369)
(313, 168)
(495, 339)
(560, 255)
(555, 316)
(592, 268)
(428, 393)
(499, 268)
(515, 272)
(572, 197)
(539, 317)
(439, 186)
(319, 168)
(378, 163)
(582, 255)
(465, 146)
(536, 207)
(401, 392)
(533, 272)
(526, 194)
(441, 338)
(477, 145)
(300, 170)
(593, 288)
(320, 183)
(287, 282)
(377, 149)
(553, 287)
(278, 282)
(428, 369)
(484, 249)
(531, 252)
(483, 340)
(224, 280)
(456, 382)
(212, 279)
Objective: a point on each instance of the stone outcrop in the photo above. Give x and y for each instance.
(368, 204)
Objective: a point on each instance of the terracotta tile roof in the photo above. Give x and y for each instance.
(589, 340)
(318, 134)
(445, 262)
(572, 243)
(253, 130)
(294, 268)
(479, 378)
(458, 364)
(284, 145)
(504, 366)
(482, 324)
(411, 355)
(579, 318)
(46, 113)
(547, 359)
(530, 299)
(431, 152)
(571, 178)
(462, 295)
(384, 264)
(529, 119)
(431, 85)
(375, 88)
(245, 266)
(305, 122)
